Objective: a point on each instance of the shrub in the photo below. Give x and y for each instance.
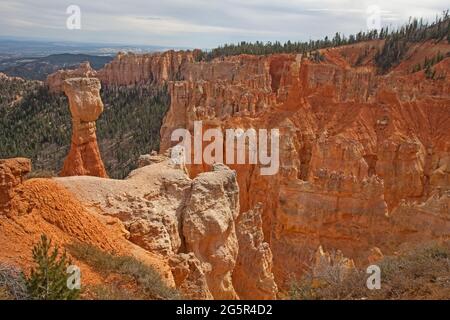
(12, 283)
(422, 273)
(48, 281)
(149, 282)
(329, 287)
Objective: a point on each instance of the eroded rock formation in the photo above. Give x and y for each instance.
(189, 276)
(43, 206)
(209, 227)
(85, 107)
(55, 81)
(192, 222)
(354, 145)
(252, 276)
(364, 164)
(152, 68)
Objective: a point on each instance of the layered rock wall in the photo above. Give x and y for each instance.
(154, 68)
(354, 145)
(364, 158)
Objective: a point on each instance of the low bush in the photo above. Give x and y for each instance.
(423, 273)
(12, 283)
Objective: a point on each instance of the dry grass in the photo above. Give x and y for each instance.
(113, 291)
(132, 273)
(423, 273)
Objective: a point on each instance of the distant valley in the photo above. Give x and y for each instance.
(35, 60)
(38, 68)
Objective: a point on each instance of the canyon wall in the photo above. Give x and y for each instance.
(153, 68)
(364, 162)
(130, 69)
(355, 148)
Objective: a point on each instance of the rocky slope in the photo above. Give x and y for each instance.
(158, 215)
(34, 207)
(192, 222)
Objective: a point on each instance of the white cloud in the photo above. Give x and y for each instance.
(168, 25)
(202, 23)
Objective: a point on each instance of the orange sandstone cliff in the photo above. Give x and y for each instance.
(364, 164)
(356, 148)
(363, 155)
(151, 68)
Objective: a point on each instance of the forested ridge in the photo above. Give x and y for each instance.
(396, 42)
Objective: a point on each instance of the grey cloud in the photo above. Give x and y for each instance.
(201, 23)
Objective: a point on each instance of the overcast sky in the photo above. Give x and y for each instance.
(202, 23)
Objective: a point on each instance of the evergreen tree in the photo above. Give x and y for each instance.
(48, 281)
(397, 40)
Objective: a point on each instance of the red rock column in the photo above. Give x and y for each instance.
(85, 106)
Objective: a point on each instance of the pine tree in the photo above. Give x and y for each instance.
(48, 281)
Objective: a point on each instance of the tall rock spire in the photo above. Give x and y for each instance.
(85, 106)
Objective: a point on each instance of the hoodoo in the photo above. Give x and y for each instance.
(85, 106)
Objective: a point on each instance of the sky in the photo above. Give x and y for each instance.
(203, 23)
